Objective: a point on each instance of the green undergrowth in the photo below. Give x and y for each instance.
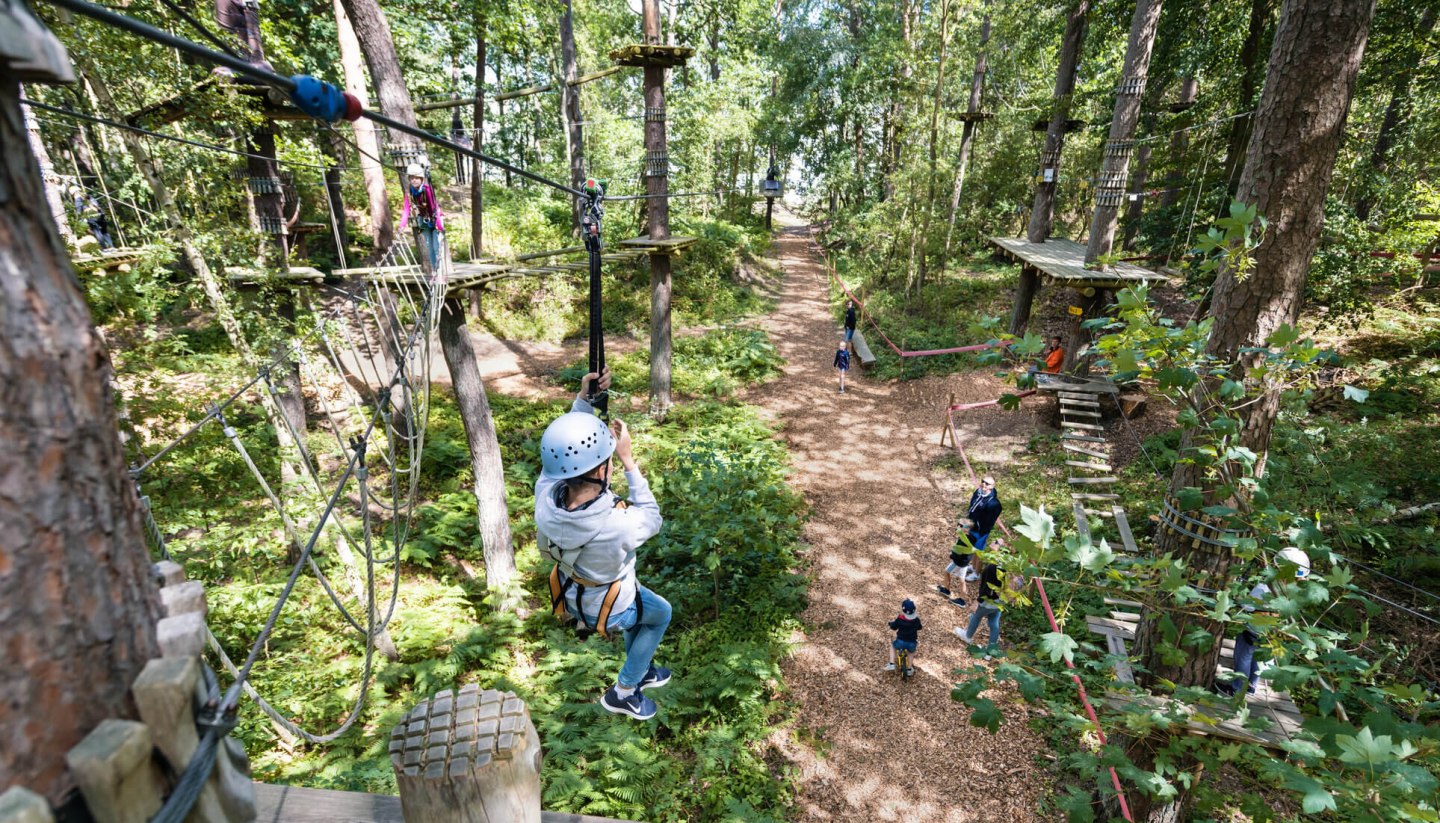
(940, 315)
(713, 364)
(709, 288)
(726, 560)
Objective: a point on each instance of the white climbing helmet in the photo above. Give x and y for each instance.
(1297, 558)
(575, 443)
(414, 170)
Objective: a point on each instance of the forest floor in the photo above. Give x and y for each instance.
(881, 526)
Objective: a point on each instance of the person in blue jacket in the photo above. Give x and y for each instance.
(842, 362)
(907, 628)
(975, 526)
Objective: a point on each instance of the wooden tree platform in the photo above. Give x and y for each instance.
(292, 804)
(1063, 261)
(294, 276)
(670, 245)
(1282, 716)
(109, 258)
(1081, 387)
(640, 54)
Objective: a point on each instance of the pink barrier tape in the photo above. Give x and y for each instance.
(983, 403)
(830, 269)
(1044, 600)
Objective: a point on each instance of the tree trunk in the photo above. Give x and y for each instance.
(1135, 208)
(76, 596)
(934, 155)
(1179, 144)
(51, 181)
(1250, 76)
(895, 117)
(352, 63)
(658, 221)
(1298, 128)
(1397, 113)
(967, 134)
(334, 193)
(372, 29)
(485, 463)
(1042, 214)
(477, 178)
(1110, 189)
(570, 112)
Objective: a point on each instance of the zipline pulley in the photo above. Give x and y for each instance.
(592, 211)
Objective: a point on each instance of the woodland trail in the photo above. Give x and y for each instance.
(882, 521)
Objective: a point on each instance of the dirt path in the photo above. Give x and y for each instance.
(880, 528)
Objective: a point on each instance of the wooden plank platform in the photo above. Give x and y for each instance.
(1082, 438)
(1075, 388)
(1122, 524)
(670, 245)
(1063, 261)
(1217, 718)
(1086, 413)
(293, 804)
(1071, 447)
(862, 349)
(1093, 480)
(1081, 523)
(109, 258)
(1094, 467)
(295, 275)
(1086, 426)
(1084, 496)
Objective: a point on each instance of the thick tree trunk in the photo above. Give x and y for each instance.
(1251, 66)
(1298, 128)
(1110, 190)
(1042, 214)
(1179, 145)
(372, 29)
(658, 221)
(967, 134)
(570, 112)
(486, 466)
(934, 153)
(895, 120)
(477, 178)
(77, 602)
(352, 63)
(1135, 207)
(1397, 113)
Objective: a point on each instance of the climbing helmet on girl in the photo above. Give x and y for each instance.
(575, 443)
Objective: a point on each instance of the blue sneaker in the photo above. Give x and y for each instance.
(637, 706)
(656, 677)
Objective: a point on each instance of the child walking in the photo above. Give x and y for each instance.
(842, 362)
(907, 627)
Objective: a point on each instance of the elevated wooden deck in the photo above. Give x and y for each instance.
(1218, 718)
(1063, 261)
(291, 804)
(1078, 385)
(670, 245)
(109, 259)
(294, 276)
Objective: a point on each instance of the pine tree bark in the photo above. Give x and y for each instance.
(1042, 213)
(934, 153)
(77, 603)
(1115, 167)
(477, 177)
(1299, 124)
(657, 187)
(352, 64)
(487, 467)
(372, 29)
(53, 197)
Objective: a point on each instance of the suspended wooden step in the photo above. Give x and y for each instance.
(1073, 398)
(640, 54)
(1134, 605)
(1081, 524)
(1093, 496)
(1094, 415)
(1070, 125)
(669, 245)
(1122, 523)
(1100, 513)
(1086, 481)
(1071, 447)
(972, 116)
(1094, 467)
(1087, 426)
(1083, 438)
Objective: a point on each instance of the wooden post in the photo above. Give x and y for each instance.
(657, 187)
(116, 773)
(20, 805)
(468, 757)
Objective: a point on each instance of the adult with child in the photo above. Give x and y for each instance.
(906, 626)
(842, 362)
(975, 526)
(592, 535)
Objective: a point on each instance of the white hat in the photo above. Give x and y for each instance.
(414, 170)
(1297, 558)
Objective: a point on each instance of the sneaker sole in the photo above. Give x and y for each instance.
(625, 712)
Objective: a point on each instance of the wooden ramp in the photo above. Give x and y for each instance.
(1063, 261)
(110, 258)
(862, 349)
(1280, 717)
(1088, 456)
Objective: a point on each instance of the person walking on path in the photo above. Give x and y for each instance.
(906, 626)
(429, 221)
(592, 534)
(975, 526)
(842, 363)
(988, 606)
(850, 320)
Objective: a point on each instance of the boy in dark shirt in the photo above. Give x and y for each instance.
(907, 626)
(842, 363)
(850, 319)
(987, 605)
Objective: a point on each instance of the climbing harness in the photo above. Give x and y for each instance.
(563, 579)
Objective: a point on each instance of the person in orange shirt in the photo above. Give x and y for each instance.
(1054, 357)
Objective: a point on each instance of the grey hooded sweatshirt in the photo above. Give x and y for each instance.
(598, 542)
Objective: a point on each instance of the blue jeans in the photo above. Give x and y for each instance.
(430, 243)
(991, 613)
(849, 333)
(1247, 668)
(643, 638)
